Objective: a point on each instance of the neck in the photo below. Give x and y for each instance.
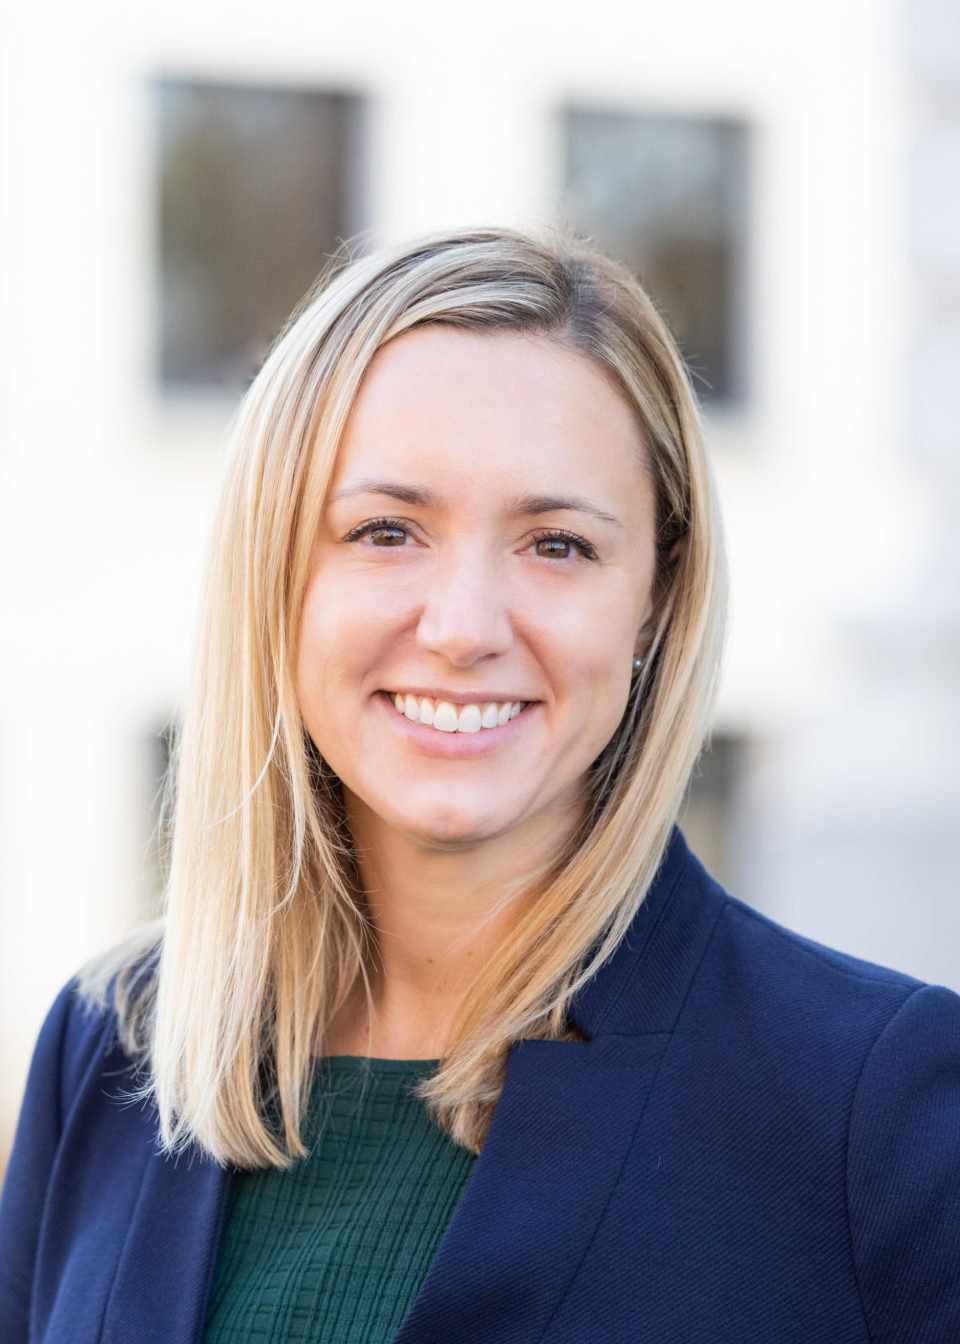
(439, 915)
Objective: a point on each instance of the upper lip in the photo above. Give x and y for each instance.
(458, 697)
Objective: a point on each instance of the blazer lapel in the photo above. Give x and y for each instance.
(163, 1279)
(562, 1128)
(557, 1143)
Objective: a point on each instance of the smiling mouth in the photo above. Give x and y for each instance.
(450, 718)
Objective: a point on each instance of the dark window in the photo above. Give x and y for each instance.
(667, 196)
(256, 188)
(711, 817)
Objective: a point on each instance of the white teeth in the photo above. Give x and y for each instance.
(469, 719)
(488, 716)
(450, 718)
(445, 717)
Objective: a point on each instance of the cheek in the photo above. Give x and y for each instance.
(598, 664)
(326, 638)
(591, 640)
(612, 690)
(344, 629)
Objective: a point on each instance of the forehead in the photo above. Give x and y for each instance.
(490, 404)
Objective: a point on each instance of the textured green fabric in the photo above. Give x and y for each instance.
(335, 1249)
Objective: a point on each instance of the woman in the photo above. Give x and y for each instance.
(459, 645)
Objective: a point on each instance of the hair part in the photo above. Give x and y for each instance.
(266, 932)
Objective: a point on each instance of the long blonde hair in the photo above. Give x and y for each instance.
(265, 932)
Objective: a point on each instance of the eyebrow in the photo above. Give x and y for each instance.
(523, 506)
(407, 494)
(526, 505)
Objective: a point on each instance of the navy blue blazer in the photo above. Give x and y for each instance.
(758, 1140)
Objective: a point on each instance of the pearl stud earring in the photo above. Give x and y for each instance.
(637, 663)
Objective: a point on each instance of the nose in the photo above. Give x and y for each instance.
(465, 615)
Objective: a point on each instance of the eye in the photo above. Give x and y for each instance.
(561, 545)
(380, 532)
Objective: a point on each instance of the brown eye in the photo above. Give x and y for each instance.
(387, 536)
(553, 548)
(381, 532)
(556, 545)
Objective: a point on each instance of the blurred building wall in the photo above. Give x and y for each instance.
(831, 800)
(853, 818)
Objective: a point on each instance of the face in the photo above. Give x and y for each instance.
(481, 582)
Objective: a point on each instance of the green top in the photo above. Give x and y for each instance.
(335, 1248)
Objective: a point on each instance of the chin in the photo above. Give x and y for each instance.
(451, 828)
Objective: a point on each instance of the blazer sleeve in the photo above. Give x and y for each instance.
(903, 1174)
(67, 1042)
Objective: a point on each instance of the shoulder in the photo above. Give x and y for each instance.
(90, 1200)
(77, 1031)
(903, 1170)
(779, 946)
(798, 977)
(831, 1085)
(825, 1015)
(82, 1051)
(757, 1015)
(696, 953)
(847, 1060)
(778, 983)
(68, 1064)
(824, 1000)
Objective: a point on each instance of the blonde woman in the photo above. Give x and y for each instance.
(446, 1036)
